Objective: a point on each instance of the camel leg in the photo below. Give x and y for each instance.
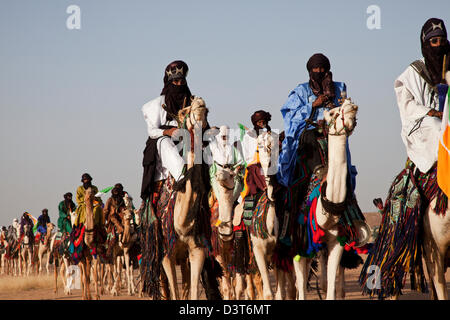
(323, 257)
(88, 278)
(101, 278)
(55, 273)
(169, 268)
(62, 273)
(340, 283)
(196, 258)
(185, 279)
(435, 266)
(48, 263)
(301, 275)
(129, 272)
(281, 283)
(291, 292)
(240, 286)
(83, 280)
(95, 264)
(225, 279)
(334, 257)
(115, 282)
(260, 257)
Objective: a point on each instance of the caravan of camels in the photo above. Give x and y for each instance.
(254, 213)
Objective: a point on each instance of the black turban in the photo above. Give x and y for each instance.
(176, 96)
(86, 176)
(261, 115)
(434, 56)
(318, 60)
(320, 82)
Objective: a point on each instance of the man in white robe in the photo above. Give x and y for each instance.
(161, 156)
(225, 154)
(418, 100)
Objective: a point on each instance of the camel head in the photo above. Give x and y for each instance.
(50, 227)
(89, 195)
(195, 116)
(128, 200)
(225, 186)
(341, 120)
(225, 177)
(265, 144)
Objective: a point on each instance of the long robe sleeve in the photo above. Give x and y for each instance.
(420, 132)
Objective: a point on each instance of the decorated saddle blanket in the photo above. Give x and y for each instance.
(398, 247)
(311, 235)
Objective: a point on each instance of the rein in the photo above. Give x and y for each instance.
(344, 130)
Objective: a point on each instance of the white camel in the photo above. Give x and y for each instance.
(263, 247)
(194, 117)
(436, 244)
(341, 123)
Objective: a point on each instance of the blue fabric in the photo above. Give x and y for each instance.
(295, 112)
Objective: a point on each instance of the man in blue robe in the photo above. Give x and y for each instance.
(305, 107)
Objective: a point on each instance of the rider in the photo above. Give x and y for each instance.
(65, 207)
(42, 223)
(304, 108)
(161, 156)
(411, 192)
(225, 154)
(417, 98)
(86, 179)
(114, 210)
(26, 220)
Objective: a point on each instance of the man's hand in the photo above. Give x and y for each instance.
(169, 132)
(435, 113)
(320, 100)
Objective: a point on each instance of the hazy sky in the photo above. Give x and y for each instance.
(71, 100)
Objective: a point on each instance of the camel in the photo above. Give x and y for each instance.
(13, 261)
(263, 246)
(26, 250)
(436, 244)
(88, 258)
(62, 260)
(3, 252)
(45, 248)
(225, 178)
(195, 118)
(122, 250)
(341, 123)
(126, 240)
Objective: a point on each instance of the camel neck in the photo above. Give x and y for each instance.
(337, 169)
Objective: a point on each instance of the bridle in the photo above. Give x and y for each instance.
(333, 122)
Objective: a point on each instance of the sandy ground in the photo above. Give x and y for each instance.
(46, 291)
(353, 291)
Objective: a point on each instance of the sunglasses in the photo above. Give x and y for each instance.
(436, 40)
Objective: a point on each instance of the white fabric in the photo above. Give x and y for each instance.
(168, 158)
(249, 146)
(223, 151)
(414, 102)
